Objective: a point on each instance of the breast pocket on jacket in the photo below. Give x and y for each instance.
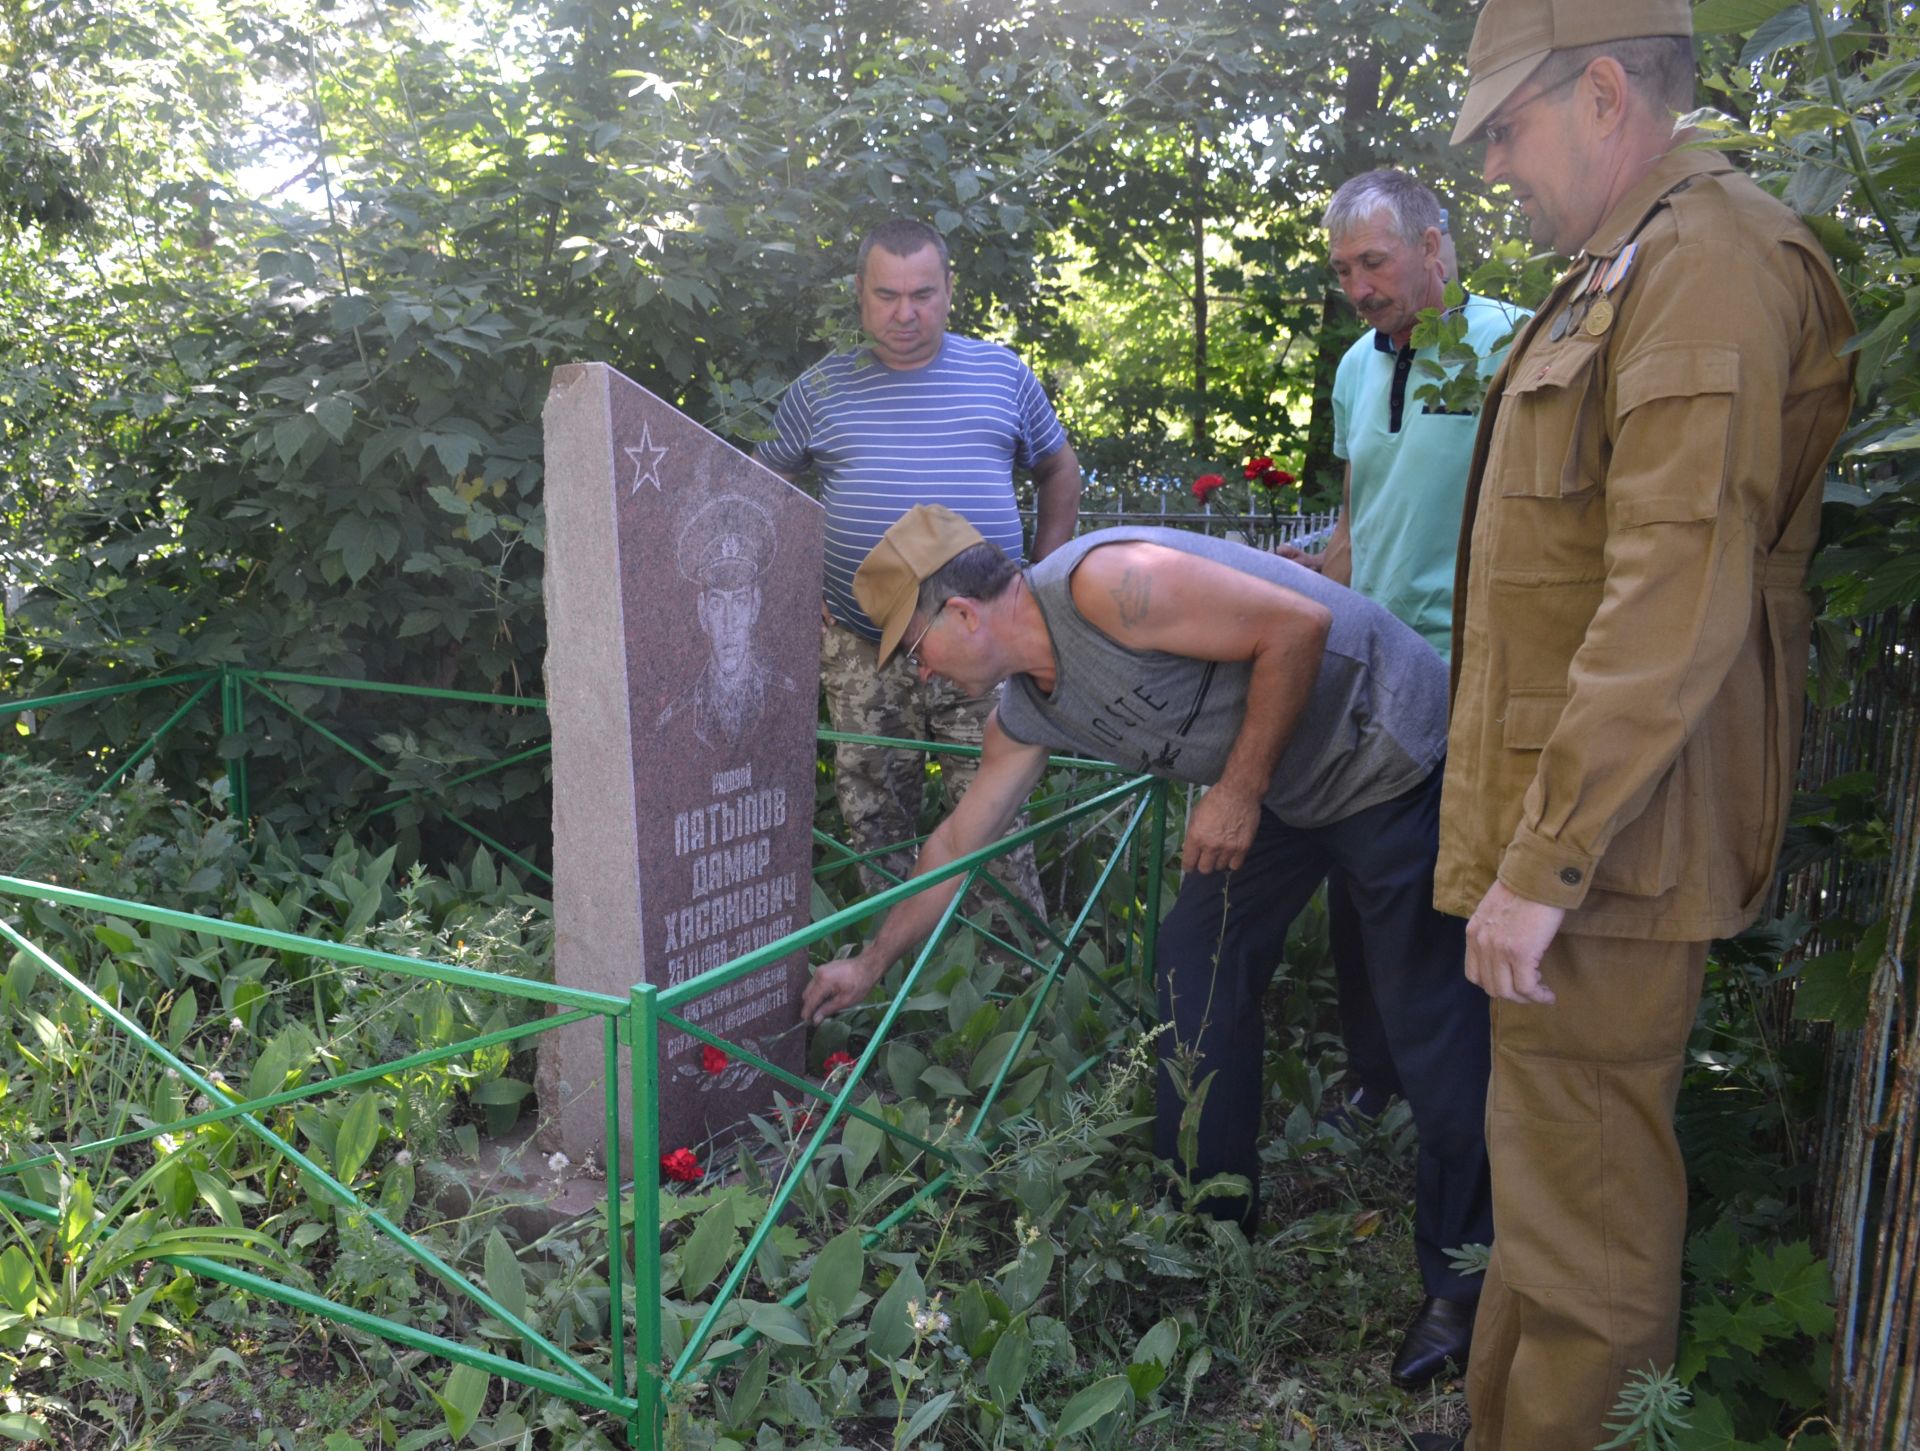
(1553, 443)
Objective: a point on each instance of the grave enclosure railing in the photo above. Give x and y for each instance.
(1109, 940)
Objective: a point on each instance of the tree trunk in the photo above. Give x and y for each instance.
(1197, 174)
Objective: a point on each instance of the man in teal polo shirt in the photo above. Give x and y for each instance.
(1406, 458)
(1406, 477)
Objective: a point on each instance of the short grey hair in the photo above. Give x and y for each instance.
(1660, 68)
(902, 237)
(1390, 192)
(980, 572)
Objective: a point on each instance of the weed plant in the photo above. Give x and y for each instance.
(1060, 1292)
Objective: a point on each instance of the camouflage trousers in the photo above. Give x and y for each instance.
(879, 788)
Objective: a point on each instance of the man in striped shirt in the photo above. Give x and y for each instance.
(918, 416)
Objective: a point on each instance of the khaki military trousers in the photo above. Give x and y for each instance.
(1589, 1192)
(879, 788)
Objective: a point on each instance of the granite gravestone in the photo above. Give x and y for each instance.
(683, 666)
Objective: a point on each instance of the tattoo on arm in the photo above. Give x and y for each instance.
(1132, 596)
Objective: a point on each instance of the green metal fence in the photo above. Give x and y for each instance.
(641, 1374)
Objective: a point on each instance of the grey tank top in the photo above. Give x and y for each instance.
(1375, 726)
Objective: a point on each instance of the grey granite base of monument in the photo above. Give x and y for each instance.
(682, 675)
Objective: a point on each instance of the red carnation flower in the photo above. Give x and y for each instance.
(837, 1061)
(681, 1167)
(1257, 467)
(712, 1059)
(1205, 485)
(1273, 478)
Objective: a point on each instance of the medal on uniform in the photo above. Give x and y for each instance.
(1563, 322)
(1600, 315)
(1617, 273)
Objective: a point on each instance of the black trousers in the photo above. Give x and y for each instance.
(1369, 1059)
(1218, 950)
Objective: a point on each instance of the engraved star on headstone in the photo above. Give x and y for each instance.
(646, 460)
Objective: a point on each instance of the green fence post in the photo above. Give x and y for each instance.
(616, 1284)
(648, 1428)
(232, 721)
(1156, 873)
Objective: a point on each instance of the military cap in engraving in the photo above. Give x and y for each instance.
(887, 583)
(1512, 37)
(726, 543)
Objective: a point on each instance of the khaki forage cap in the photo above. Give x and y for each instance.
(887, 583)
(1512, 37)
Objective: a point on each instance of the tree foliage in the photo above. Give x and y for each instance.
(304, 431)
(283, 283)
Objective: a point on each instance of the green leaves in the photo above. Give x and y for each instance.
(1791, 26)
(18, 1282)
(924, 1419)
(1750, 1302)
(1799, 1285)
(1153, 1358)
(462, 1397)
(890, 1330)
(361, 543)
(357, 1136)
(1837, 987)
(506, 1281)
(835, 1280)
(708, 1249)
(863, 1142)
(778, 1323)
(1096, 1402)
(1007, 1366)
(1715, 17)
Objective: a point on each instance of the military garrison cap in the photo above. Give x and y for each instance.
(1512, 37)
(887, 583)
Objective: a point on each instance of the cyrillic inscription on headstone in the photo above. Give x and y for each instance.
(683, 589)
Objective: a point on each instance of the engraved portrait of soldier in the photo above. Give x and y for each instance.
(723, 548)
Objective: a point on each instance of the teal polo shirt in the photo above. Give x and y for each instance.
(1409, 470)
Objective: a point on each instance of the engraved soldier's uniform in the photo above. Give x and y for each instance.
(723, 548)
(1631, 644)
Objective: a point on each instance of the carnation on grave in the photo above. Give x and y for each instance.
(681, 1167)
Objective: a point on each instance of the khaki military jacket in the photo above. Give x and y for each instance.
(1631, 623)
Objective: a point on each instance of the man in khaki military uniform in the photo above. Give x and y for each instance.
(1630, 628)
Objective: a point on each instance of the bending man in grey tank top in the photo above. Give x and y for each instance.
(1319, 722)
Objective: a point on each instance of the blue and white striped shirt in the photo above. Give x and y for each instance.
(882, 441)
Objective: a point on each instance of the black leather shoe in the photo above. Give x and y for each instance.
(1434, 1441)
(1441, 1332)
